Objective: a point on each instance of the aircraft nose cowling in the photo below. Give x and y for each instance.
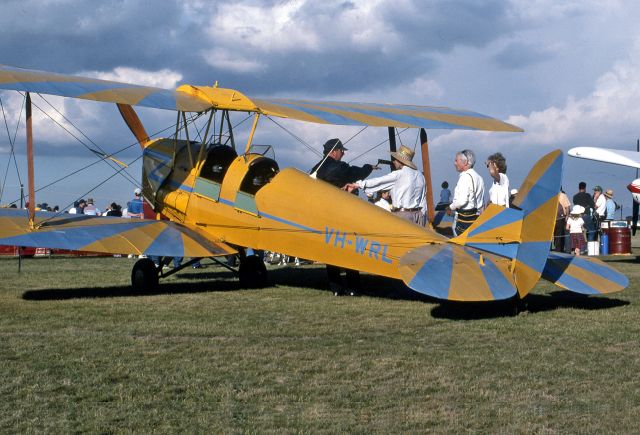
(457, 273)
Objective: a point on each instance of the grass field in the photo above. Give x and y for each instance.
(79, 352)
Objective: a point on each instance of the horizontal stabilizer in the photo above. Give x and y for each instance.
(457, 273)
(109, 235)
(584, 275)
(497, 230)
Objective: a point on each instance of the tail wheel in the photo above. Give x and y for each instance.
(144, 276)
(252, 272)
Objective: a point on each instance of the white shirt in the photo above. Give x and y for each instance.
(382, 203)
(575, 225)
(499, 192)
(407, 187)
(601, 205)
(469, 192)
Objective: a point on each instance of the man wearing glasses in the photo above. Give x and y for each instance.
(468, 196)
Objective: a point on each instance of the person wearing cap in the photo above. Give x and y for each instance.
(575, 225)
(585, 200)
(134, 207)
(407, 185)
(334, 171)
(600, 202)
(468, 196)
(610, 205)
(499, 191)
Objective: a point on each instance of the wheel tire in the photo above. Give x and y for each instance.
(144, 275)
(252, 272)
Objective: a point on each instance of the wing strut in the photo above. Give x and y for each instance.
(426, 167)
(253, 130)
(32, 190)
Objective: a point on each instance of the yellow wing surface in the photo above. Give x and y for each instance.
(107, 234)
(191, 98)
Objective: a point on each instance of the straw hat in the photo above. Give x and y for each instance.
(404, 156)
(609, 193)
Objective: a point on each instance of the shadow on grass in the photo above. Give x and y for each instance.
(628, 259)
(128, 291)
(532, 303)
(371, 285)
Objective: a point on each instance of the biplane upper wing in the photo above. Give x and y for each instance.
(107, 234)
(199, 98)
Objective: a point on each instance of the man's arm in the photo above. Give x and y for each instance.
(461, 193)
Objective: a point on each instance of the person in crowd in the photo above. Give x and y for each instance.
(135, 209)
(559, 231)
(512, 197)
(91, 209)
(74, 209)
(114, 210)
(499, 191)
(445, 196)
(582, 198)
(600, 203)
(610, 205)
(468, 195)
(575, 226)
(407, 186)
(338, 173)
(383, 200)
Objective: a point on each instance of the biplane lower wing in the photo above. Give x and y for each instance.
(110, 235)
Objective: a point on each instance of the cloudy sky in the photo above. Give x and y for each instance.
(567, 72)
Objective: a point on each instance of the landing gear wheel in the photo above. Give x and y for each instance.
(144, 276)
(252, 272)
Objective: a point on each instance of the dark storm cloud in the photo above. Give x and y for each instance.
(69, 36)
(519, 55)
(441, 25)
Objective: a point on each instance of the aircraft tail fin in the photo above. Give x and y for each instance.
(504, 251)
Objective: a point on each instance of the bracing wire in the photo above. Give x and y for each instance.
(172, 127)
(375, 146)
(62, 209)
(126, 175)
(299, 139)
(12, 155)
(354, 136)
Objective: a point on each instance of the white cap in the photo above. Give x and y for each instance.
(137, 191)
(514, 191)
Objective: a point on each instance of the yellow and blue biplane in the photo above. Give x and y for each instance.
(221, 202)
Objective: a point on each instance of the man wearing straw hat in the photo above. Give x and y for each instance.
(407, 185)
(610, 205)
(468, 196)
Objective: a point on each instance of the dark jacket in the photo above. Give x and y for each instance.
(585, 200)
(341, 173)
